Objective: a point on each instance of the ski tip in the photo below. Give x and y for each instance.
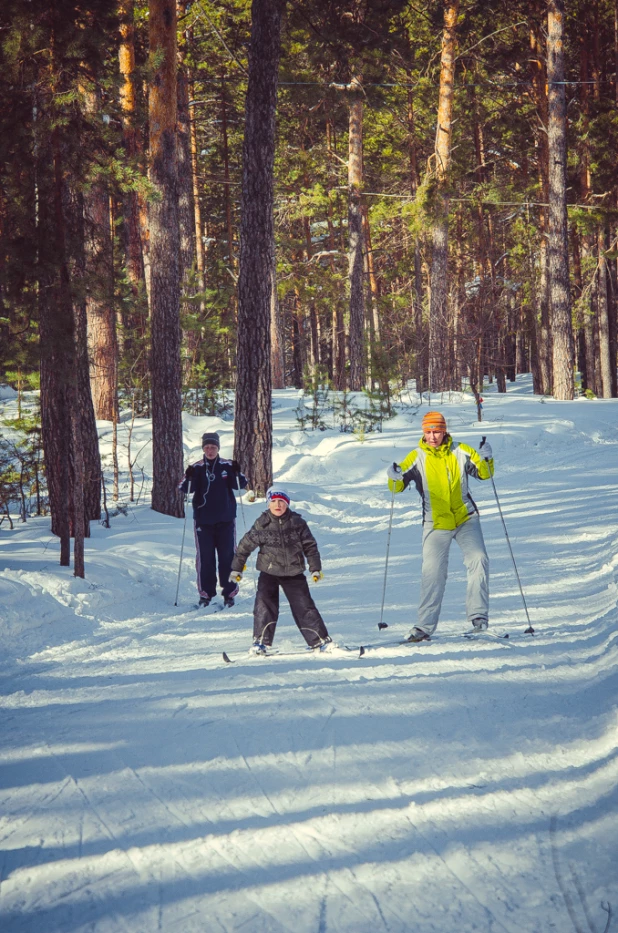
(382, 625)
(361, 651)
(226, 659)
(506, 636)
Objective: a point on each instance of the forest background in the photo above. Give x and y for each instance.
(202, 201)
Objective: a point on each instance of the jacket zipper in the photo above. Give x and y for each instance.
(282, 545)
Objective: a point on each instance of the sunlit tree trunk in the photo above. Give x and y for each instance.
(164, 259)
(253, 421)
(542, 358)
(439, 376)
(355, 237)
(559, 286)
(186, 213)
(128, 105)
(605, 356)
(100, 310)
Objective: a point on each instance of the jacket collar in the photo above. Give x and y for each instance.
(441, 451)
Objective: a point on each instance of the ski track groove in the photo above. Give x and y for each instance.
(453, 873)
(571, 647)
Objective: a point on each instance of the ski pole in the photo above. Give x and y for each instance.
(388, 544)
(244, 524)
(529, 630)
(182, 546)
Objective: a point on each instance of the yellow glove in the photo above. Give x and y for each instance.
(317, 575)
(235, 576)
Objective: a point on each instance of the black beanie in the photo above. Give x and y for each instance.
(211, 439)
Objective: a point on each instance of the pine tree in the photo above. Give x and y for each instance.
(253, 440)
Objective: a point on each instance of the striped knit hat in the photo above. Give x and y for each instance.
(433, 421)
(276, 492)
(211, 439)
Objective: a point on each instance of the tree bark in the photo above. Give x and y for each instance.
(355, 237)
(543, 344)
(100, 311)
(186, 212)
(253, 418)
(605, 356)
(439, 377)
(128, 104)
(167, 459)
(559, 286)
(277, 345)
(420, 343)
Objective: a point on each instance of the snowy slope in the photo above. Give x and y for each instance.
(454, 786)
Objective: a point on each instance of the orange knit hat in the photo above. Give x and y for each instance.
(433, 421)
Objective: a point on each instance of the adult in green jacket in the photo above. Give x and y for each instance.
(439, 467)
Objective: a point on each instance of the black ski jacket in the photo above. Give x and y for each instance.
(284, 543)
(213, 483)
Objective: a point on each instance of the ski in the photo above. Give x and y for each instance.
(333, 652)
(475, 633)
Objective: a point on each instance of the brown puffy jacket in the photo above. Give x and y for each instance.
(284, 542)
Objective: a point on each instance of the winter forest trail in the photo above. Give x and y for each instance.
(146, 785)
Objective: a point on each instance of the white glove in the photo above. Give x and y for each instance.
(394, 472)
(317, 575)
(235, 576)
(485, 451)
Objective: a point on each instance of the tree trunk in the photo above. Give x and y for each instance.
(186, 212)
(420, 354)
(167, 451)
(130, 207)
(253, 424)
(605, 357)
(89, 438)
(355, 238)
(543, 344)
(439, 377)
(559, 286)
(100, 311)
(134, 228)
(277, 348)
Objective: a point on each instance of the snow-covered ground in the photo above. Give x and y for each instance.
(455, 786)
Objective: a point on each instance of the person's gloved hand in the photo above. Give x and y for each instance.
(189, 472)
(236, 467)
(485, 450)
(394, 472)
(235, 576)
(317, 575)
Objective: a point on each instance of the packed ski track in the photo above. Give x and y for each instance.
(457, 785)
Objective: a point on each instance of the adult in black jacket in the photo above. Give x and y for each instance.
(213, 480)
(284, 540)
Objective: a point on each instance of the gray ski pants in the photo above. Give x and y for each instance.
(436, 545)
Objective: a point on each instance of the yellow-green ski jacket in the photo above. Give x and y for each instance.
(441, 477)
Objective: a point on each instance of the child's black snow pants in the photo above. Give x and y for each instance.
(266, 608)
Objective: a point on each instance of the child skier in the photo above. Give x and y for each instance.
(212, 481)
(284, 540)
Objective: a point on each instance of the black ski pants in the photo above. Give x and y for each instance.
(266, 608)
(215, 543)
